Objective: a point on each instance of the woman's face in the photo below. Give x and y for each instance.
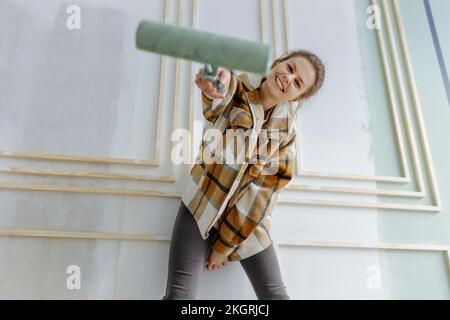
(291, 78)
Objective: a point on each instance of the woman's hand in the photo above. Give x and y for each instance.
(216, 260)
(208, 88)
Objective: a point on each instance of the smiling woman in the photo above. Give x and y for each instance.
(225, 212)
(296, 75)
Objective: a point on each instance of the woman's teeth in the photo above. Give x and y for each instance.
(279, 83)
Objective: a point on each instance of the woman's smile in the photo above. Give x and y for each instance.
(280, 85)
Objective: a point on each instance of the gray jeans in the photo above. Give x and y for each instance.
(188, 255)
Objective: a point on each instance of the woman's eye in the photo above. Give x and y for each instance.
(290, 68)
(297, 84)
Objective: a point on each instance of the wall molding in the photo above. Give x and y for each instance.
(75, 235)
(435, 207)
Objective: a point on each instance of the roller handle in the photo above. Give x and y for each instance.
(211, 73)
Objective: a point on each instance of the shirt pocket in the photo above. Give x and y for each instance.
(269, 141)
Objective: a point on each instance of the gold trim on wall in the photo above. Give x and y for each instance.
(296, 243)
(155, 193)
(417, 166)
(89, 174)
(400, 140)
(166, 238)
(404, 178)
(291, 186)
(275, 28)
(106, 160)
(49, 234)
(110, 160)
(192, 88)
(417, 106)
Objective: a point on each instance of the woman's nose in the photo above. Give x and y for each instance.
(288, 78)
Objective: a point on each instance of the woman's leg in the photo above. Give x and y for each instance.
(187, 256)
(263, 271)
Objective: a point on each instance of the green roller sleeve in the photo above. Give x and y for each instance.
(204, 47)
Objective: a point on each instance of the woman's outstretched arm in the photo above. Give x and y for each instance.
(213, 102)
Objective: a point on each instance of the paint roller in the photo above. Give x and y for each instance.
(213, 50)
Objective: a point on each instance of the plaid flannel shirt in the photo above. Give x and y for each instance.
(238, 198)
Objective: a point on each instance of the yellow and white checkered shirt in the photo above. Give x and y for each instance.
(238, 198)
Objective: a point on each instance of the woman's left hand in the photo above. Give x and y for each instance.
(216, 260)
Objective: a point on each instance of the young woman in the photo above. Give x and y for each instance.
(225, 210)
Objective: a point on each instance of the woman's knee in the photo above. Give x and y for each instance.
(264, 273)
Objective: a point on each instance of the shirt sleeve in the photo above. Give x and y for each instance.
(213, 107)
(240, 221)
